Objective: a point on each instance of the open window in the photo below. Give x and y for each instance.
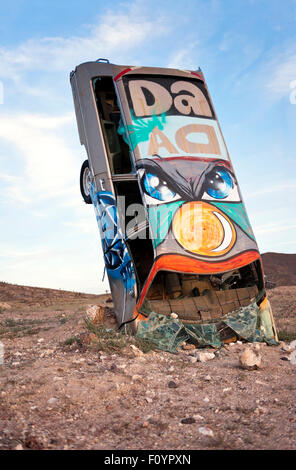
(203, 298)
(120, 161)
(135, 225)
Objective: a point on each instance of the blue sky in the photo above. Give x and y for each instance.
(247, 51)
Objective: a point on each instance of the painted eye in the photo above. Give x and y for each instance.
(218, 183)
(157, 188)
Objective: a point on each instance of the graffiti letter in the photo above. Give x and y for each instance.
(154, 144)
(162, 99)
(201, 131)
(185, 103)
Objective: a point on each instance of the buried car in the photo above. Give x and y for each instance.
(175, 234)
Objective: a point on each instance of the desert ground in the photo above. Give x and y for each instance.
(64, 387)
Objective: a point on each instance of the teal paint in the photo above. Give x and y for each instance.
(160, 218)
(141, 129)
(237, 213)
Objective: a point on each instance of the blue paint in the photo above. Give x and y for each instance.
(117, 259)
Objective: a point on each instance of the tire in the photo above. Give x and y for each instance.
(85, 180)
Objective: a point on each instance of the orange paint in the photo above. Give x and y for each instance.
(198, 229)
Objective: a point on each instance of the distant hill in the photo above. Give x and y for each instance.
(280, 268)
(14, 292)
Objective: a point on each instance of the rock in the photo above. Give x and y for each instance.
(293, 344)
(189, 420)
(285, 358)
(293, 358)
(208, 378)
(198, 417)
(287, 347)
(206, 399)
(136, 351)
(250, 359)
(192, 359)
(203, 356)
(18, 447)
(145, 424)
(52, 401)
(137, 378)
(188, 347)
(206, 431)
(5, 305)
(95, 313)
(172, 384)
(174, 315)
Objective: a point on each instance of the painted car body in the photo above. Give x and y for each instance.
(193, 210)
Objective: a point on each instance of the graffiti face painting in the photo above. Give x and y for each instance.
(197, 218)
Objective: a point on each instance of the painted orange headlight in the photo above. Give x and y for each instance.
(203, 229)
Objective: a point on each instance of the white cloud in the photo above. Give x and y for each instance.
(279, 226)
(272, 189)
(113, 35)
(49, 164)
(282, 73)
(184, 58)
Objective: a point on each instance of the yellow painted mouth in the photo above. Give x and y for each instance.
(203, 229)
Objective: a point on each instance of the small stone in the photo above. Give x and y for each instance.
(203, 356)
(189, 420)
(206, 431)
(250, 359)
(293, 344)
(136, 378)
(293, 358)
(52, 401)
(145, 424)
(227, 389)
(136, 351)
(174, 315)
(192, 359)
(261, 383)
(208, 378)
(18, 447)
(172, 384)
(5, 305)
(198, 417)
(206, 399)
(188, 347)
(95, 313)
(287, 347)
(40, 340)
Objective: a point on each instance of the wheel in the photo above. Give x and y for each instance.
(85, 182)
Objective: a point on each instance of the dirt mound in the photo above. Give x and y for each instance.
(280, 268)
(14, 292)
